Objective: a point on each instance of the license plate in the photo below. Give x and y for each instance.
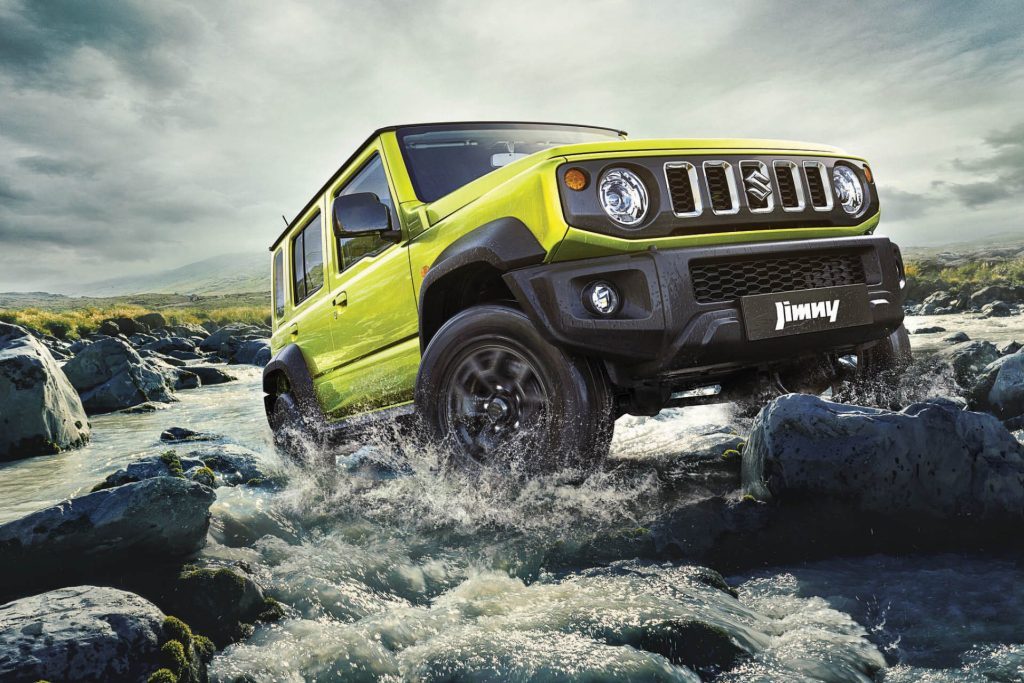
(806, 310)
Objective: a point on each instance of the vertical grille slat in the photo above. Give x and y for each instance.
(682, 188)
(718, 188)
(791, 195)
(817, 189)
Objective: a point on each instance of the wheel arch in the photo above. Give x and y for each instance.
(470, 271)
(290, 364)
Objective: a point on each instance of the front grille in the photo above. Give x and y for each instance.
(718, 187)
(720, 281)
(681, 186)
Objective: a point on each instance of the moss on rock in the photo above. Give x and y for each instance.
(173, 462)
(162, 676)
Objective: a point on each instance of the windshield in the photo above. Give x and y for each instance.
(442, 158)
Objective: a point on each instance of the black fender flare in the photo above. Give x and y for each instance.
(503, 244)
(290, 362)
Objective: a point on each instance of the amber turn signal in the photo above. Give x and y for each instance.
(576, 179)
(867, 173)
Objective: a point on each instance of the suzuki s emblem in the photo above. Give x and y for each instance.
(789, 313)
(757, 185)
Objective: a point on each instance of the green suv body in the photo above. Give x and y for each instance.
(468, 272)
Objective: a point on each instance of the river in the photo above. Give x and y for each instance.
(390, 572)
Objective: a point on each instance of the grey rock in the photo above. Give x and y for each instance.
(933, 329)
(936, 301)
(109, 375)
(1005, 393)
(220, 602)
(84, 633)
(185, 355)
(996, 309)
(187, 330)
(143, 408)
(165, 465)
(123, 527)
(139, 341)
(253, 352)
(152, 321)
(230, 335)
(210, 374)
(956, 338)
(233, 464)
(1010, 347)
(181, 434)
(162, 358)
(994, 293)
(40, 411)
(932, 459)
(968, 359)
(167, 344)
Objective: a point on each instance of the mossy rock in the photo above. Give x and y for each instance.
(183, 654)
(222, 603)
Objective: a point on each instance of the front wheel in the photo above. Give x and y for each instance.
(494, 392)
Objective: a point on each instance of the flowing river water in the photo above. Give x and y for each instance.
(391, 572)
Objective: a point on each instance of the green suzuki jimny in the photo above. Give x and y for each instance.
(519, 286)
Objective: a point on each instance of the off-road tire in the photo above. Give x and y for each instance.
(293, 433)
(473, 363)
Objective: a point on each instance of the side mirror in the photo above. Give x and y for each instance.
(363, 213)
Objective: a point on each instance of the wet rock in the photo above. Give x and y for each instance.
(252, 352)
(163, 517)
(167, 464)
(152, 321)
(169, 360)
(933, 329)
(84, 633)
(181, 434)
(220, 602)
(932, 459)
(109, 375)
(210, 374)
(185, 355)
(996, 309)
(40, 412)
(234, 465)
(1000, 388)
(177, 377)
(226, 340)
(142, 408)
(956, 338)
(1010, 347)
(968, 359)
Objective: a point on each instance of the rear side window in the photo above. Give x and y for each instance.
(279, 284)
(308, 260)
(371, 178)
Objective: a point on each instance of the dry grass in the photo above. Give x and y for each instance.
(73, 323)
(926, 277)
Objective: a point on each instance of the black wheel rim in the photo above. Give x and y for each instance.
(495, 403)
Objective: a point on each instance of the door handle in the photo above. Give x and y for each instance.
(341, 300)
(293, 330)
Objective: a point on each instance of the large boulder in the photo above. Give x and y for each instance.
(967, 360)
(163, 517)
(110, 376)
(40, 412)
(996, 309)
(166, 344)
(1000, 388)
(252, 352)
(994, 293)
(84, 633)
(930, 460)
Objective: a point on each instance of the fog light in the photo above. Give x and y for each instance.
(601, 298)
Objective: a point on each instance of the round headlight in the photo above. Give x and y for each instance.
(848, 188)
(623, 196)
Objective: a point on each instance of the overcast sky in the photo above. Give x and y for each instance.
(138, 136)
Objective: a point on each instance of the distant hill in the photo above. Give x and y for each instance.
(224, 274)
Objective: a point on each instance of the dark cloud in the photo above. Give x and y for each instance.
(137, 135)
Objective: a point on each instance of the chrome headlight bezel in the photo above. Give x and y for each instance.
(623, 196)
(849, 190)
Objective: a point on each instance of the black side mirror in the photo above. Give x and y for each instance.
(363, 213)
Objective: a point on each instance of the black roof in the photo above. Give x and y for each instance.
(386, 129)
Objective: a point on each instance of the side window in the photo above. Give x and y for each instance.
(371, 178)
(279, 284)
(308, 260)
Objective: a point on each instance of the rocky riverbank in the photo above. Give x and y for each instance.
(378, 568)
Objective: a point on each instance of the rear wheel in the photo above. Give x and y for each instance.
(496, 393)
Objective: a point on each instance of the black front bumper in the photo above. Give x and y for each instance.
(663, 331)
